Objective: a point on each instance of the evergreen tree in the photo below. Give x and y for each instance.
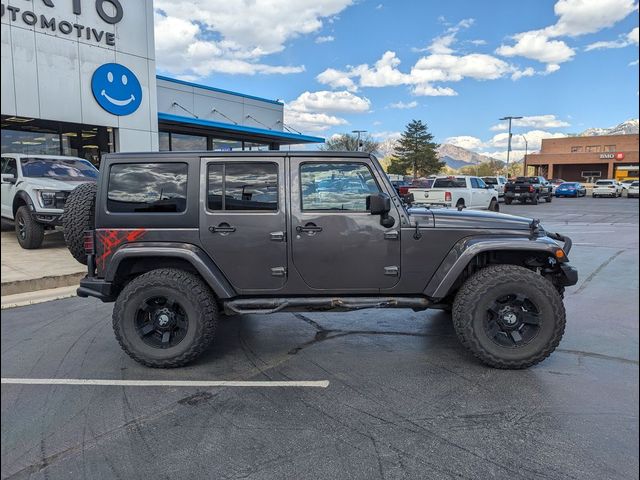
(416, 151)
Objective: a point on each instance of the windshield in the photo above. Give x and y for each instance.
(602, 182)
(568, 184)
(70, 169)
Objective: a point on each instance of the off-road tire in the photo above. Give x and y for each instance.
(508, 200)
(490, 282)
(79, 215)
(494, 206)
(534, 199)
(33, 231)
(196, 298)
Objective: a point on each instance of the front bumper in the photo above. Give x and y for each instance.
(567, 276)
(53, 219)
(96, 287)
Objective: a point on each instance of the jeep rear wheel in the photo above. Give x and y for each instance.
(165, 318)
(79, 214)
(509, 316)
(30, 233)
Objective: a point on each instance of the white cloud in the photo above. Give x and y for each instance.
(634, 63)
(383, 74)
(454, 68)
(478, 42)
(527, 72)
(336, 79)
(630, 38)
(580, 17)
(537, 46)
(379, 6)
(533, 121)
(426, 90)
(314, 111)
(325, 39)
(443, 43)
(575, 18)
(404, 106)
(204, 36)
(465, 141)
(326, 101)
(534, 139)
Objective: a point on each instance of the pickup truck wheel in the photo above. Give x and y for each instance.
(165, 318)
(534, 199)
(79, 214)
(494, 206)
(549, 198)
(508, 200)
(30, 233)
(509, 316)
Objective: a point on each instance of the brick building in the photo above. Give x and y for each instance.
(586, 159)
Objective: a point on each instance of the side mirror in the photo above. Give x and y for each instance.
(8, 178)
(380, 204)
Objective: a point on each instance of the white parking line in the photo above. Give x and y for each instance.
(165, 383)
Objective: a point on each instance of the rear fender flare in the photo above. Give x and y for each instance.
(466, 249)
(203, 264)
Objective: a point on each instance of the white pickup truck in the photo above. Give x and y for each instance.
(457, 191)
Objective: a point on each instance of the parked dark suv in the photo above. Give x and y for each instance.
(180, 239)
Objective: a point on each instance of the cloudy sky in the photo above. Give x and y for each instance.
(340, 65)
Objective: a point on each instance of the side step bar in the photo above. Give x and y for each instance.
(273, 305)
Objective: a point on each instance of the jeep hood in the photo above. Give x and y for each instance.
(52, 183)
(471, 219)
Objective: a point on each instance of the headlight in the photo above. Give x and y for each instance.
(47, 199)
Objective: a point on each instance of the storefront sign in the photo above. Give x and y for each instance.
(116, 89)
(612, 156)
(111, 15)
(619, 156)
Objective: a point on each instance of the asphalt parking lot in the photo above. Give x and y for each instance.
(404, 399)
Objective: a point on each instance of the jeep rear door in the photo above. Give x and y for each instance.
(336, 243)
(243, 222)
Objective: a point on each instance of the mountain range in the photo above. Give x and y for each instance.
(629, 127)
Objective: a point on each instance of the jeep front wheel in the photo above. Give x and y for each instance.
(165, 318)
(509, 316)
(30, 233)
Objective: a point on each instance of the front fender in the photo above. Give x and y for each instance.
(185, 251)
(468, 248)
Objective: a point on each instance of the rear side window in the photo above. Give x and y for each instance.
(242, 186)
(452, 182)
(147, 188)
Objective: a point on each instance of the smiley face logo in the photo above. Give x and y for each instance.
(116, 89)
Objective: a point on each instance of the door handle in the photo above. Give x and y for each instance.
(222, 228)
(310, 228)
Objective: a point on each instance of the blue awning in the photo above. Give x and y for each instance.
(264, 134)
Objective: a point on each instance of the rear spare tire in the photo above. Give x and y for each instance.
(509, 316)
(79, 215)
(30, 233)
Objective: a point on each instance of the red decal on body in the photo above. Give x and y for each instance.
(110, 239)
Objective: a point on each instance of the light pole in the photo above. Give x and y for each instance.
(358, 132)
(509, 145)
(526, 152)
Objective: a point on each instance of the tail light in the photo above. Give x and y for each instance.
(531, 189)
(403, 190)
(89, 243)
(447, 196)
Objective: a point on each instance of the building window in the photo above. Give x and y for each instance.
(593, 148)
(609, 148)
(576, 149)
(147, 188)
(164, 141)
(181, 142)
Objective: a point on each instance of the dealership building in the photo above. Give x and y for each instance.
(586, 159)
(79, 78)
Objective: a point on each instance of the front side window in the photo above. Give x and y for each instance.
(147, 188)
(242, 186)
(9, 166)
(58, 169)
(336, 186)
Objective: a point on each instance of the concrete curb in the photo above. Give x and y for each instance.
(40, 296)
(43, 283)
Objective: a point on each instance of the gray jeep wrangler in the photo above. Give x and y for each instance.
(179, 239)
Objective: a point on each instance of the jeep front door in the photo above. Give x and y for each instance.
(243, 222)
(336, 243)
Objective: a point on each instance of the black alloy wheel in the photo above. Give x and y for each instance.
(161, 322)
(512, 321)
